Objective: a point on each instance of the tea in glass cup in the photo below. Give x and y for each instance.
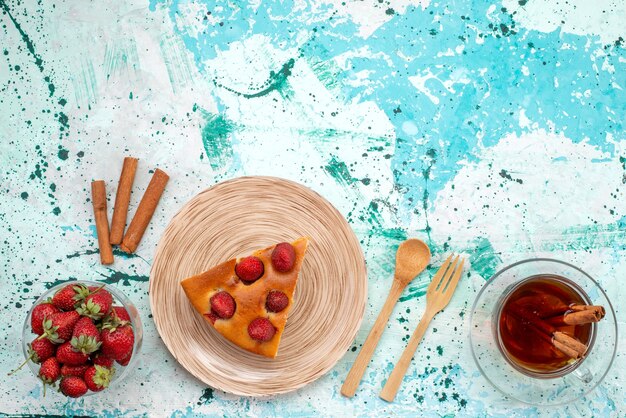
(545, 325)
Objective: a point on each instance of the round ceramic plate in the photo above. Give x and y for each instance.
(232, 219)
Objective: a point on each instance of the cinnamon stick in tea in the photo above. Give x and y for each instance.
(568, 345)
(596, 308)
(122, 198)
(144, 212)
(583, 314)
(99, 201)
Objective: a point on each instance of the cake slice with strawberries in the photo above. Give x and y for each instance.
(248, 299)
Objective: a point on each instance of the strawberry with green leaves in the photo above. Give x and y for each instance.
(85, 337)
(97, 304)
(49, 372)
(117, 342)
(39, 350)
(58, 327)
(98, 378)
(41, 312)
(67, 355)
(69, 296)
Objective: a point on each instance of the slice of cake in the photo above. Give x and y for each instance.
(248, 299)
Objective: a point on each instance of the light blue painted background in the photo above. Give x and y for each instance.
(489, 128)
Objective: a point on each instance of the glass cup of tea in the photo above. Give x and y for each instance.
(530, 340)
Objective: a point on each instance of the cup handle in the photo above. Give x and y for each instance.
(583, 374)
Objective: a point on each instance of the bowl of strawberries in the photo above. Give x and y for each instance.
(84, 336)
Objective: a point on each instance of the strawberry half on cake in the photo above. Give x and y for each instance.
(248, 299)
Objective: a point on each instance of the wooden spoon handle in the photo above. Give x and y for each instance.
(362, 361)
(397, 375)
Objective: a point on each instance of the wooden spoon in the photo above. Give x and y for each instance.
(411, 259)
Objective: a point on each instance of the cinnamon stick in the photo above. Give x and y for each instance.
(596, 308)
(99, 201)
(144, 212)
(122, 198)
(568, 345)
(582, 314)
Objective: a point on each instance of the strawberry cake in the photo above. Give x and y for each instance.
(248, 299)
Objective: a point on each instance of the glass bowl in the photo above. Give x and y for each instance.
(118, 299)
(558, 389)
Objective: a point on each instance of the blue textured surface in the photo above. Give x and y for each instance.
(494, 129)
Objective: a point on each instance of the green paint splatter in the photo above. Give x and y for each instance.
(440, 351)
(56, 211)
(277, 81)
(207, 397)
(63, 120)
(339, 171)
(216, 139)
(505, 174)
(116, 252)
(484, 260)
(327, 73)
(63, 154)
(29, 44)
(24, 195)
(130, 95)
(124, 278)
(49, 285)
(413, 293)
(37, 173)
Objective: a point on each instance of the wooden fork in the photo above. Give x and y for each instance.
(438, 295)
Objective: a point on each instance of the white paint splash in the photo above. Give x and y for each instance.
(604, 20)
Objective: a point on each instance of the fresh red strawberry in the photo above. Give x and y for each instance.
(86, 337)
(79, 371)
(261, 329)
(117, 343)
(98, 378)
(59, 326)
(120, 312)
(73, 386)
(97, 304)
(49, 372)
(223, 305)
(249, 269)
(124, 362)
(39, 350)
(67, 355)
(283, 257)
(102, 360)
(276, 301)
(70, 295)
(40, 312)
